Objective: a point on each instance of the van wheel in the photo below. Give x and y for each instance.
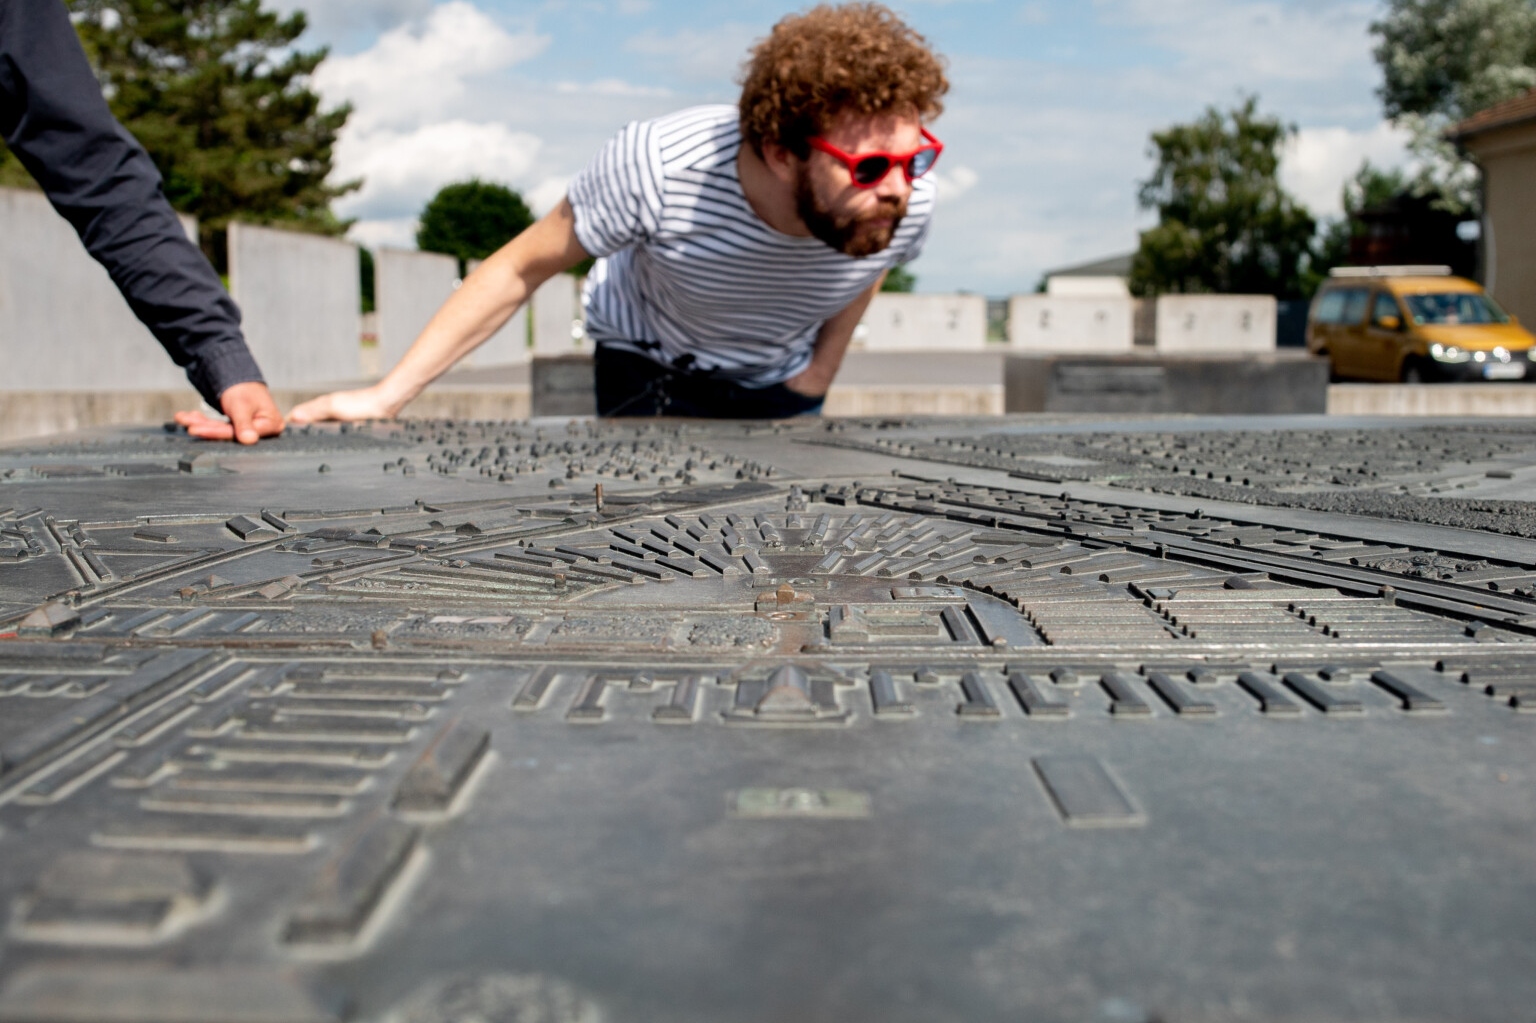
(1413, 372)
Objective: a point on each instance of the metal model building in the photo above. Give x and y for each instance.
(863, 720)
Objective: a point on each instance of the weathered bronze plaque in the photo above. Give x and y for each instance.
(1020, 719)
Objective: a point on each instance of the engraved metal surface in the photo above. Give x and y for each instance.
(1031, 718)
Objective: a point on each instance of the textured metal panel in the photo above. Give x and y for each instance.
(899, 720)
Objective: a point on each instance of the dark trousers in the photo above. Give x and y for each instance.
(632, 385)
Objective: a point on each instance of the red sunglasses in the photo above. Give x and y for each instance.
(869, 169)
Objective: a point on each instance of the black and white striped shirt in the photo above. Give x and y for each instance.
(690, 276)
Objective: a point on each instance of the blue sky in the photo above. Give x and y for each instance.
(1046, 128)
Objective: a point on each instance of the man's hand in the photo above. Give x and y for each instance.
(367, 403)
(252, 415)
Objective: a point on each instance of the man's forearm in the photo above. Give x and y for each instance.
(485, 301)
(832, 344)
(482, 304)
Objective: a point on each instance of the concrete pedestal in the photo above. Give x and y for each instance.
(1276, 383)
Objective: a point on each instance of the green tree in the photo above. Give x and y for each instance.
(1224, 223)
(900, 280)
(471, 220)
(1442, 60)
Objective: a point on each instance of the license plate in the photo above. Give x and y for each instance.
(1504, 371)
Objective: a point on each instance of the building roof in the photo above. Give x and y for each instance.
(1113, 266)
(1511, 112)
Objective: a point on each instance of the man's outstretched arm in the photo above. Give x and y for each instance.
(485, 301)
(97, 176)
(831, 345)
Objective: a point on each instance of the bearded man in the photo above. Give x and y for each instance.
(738, 247)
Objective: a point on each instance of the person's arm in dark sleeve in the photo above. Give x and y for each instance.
(98, 177)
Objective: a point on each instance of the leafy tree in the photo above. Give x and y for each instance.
(471, 220)
(1224, 222)
(900, 280)
(1442, 60)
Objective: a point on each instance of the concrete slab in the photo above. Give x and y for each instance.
(63, 324)
(1071, 323)
(896, 322)
(1216, 323)
(556, 309)
(409, 287)
(298, 295)
(1432, 400)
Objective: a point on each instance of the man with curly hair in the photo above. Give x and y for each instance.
(738, 246)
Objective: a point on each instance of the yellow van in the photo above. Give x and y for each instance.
(1415, 324)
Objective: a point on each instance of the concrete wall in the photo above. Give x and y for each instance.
(1508, 159)
(556, 306)
(904, 323)
(1074, 324)
(63, 324)
(408, 287)
(508, 346)
(299, 297)
(1216, 323)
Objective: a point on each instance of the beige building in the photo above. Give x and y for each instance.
(1502, 139)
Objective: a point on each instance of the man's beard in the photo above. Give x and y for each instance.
(842, 232)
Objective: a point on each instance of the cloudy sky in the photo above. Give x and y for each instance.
(1046, 130)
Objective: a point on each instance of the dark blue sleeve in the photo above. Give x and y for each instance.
(53, 117)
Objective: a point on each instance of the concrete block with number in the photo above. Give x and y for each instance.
(1070, 323)
(903, 323)
(1216, 323)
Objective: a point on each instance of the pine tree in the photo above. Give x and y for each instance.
(218, 94)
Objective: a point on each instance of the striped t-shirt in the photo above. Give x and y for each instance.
(690, 276)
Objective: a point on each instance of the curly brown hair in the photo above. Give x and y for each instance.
(853, 58)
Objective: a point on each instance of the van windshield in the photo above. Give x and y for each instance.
(1454, 308)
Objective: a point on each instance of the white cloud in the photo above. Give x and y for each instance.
(546, 195)
(611, 87)
(1317, 162)
(399, 233)
(955, 182)
(333, 19)
(419, 70)
(710, 54)
(402, 169)
(1257, 39)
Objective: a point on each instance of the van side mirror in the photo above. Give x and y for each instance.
(1389, 322)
